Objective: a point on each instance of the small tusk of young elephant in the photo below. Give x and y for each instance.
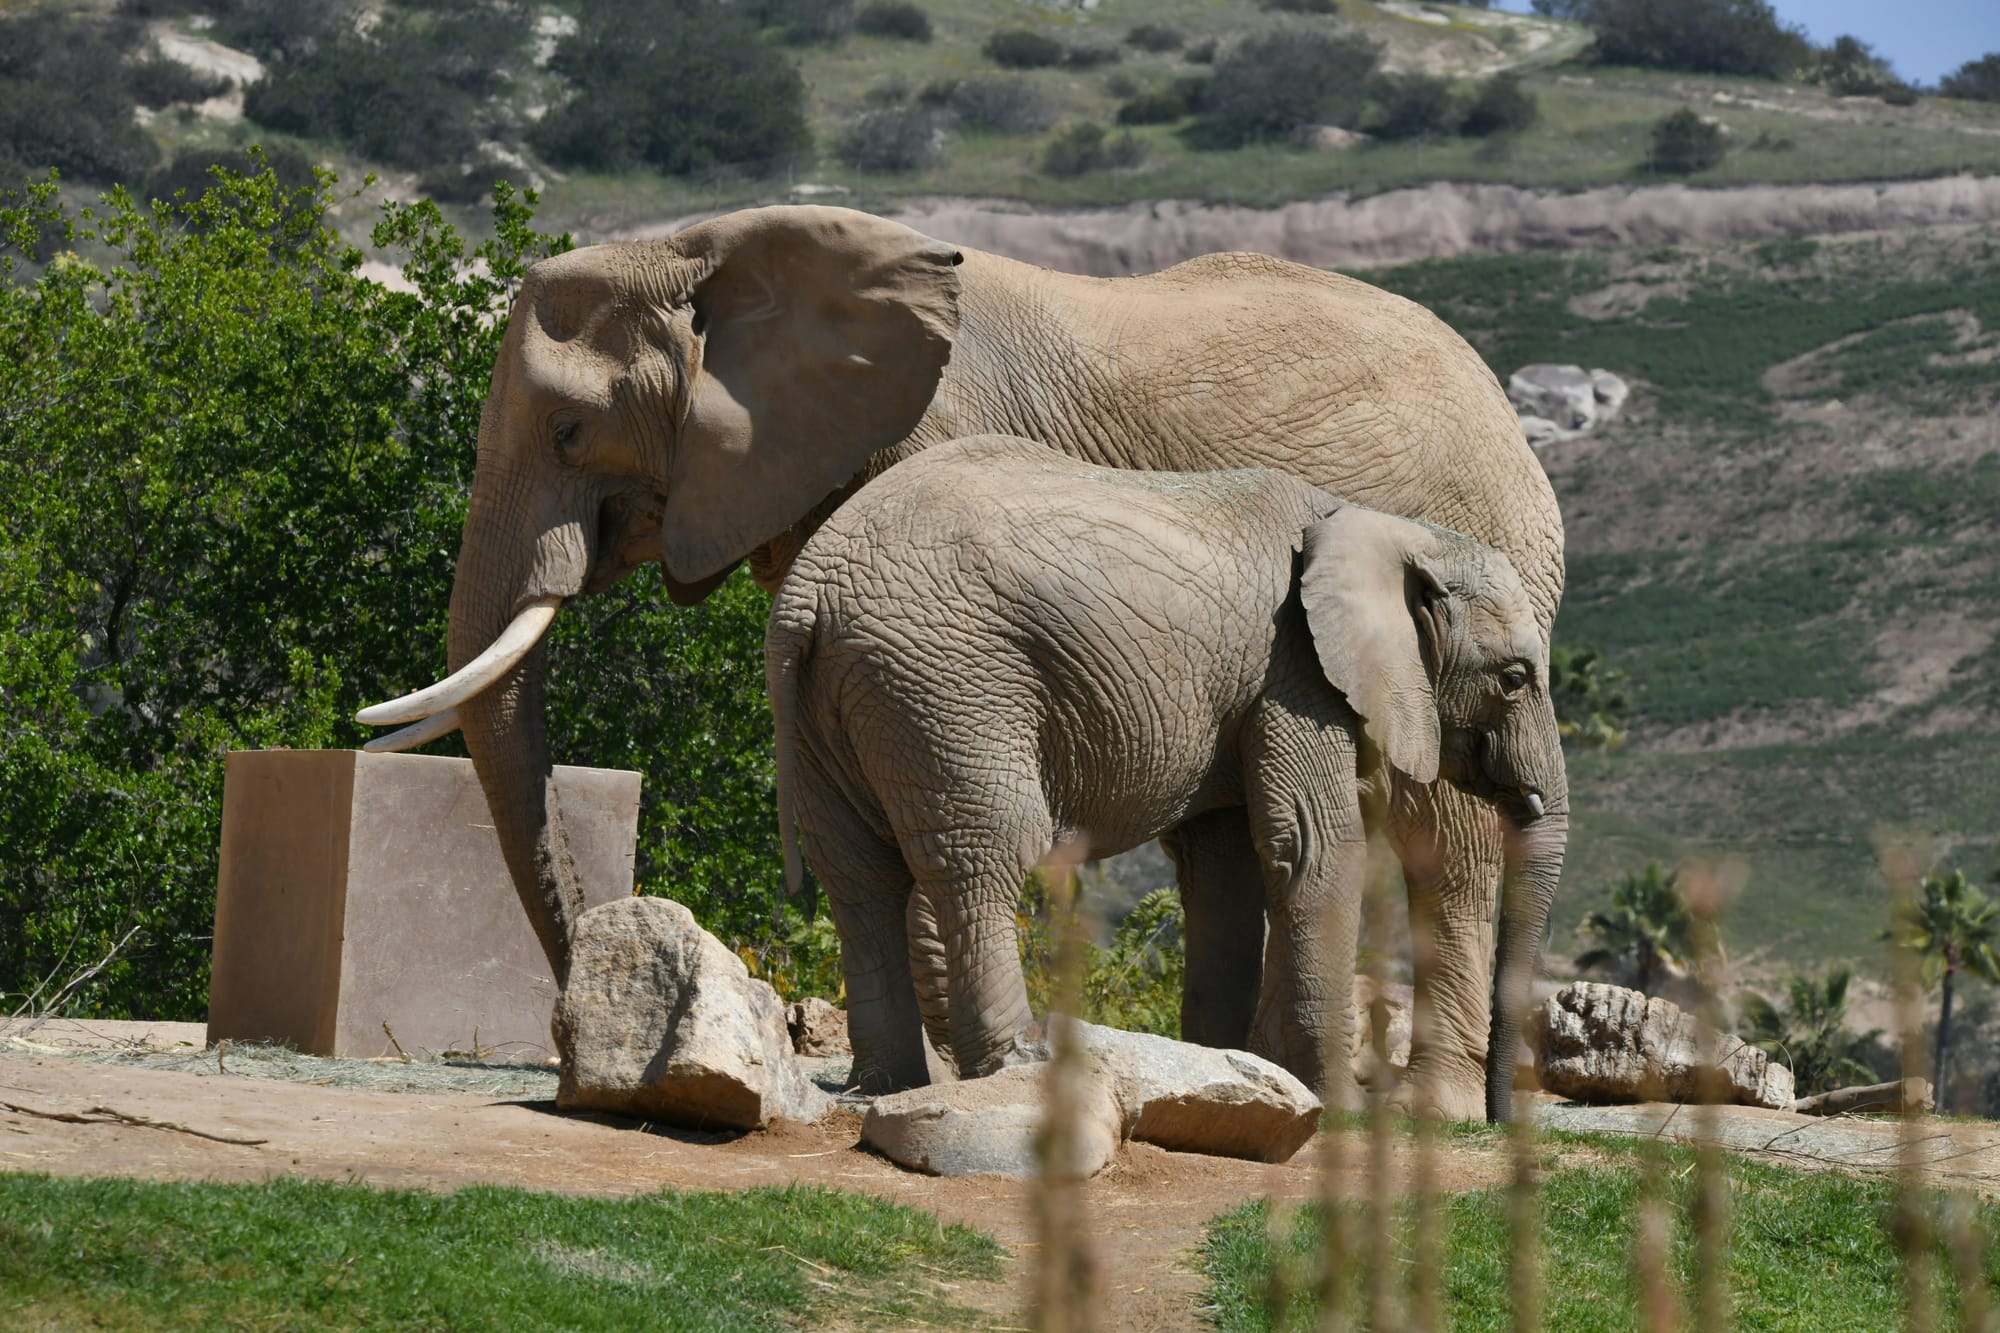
(417, 733)
(514, 643)
(1534, 799)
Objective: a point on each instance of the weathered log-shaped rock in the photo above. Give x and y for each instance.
(1891, 1098)
(661, 1020)
(1596, 1043)
(990, 1125)
(1192, 1098)
(817, 1028)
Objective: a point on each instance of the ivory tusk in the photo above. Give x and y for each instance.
(1534, 800)
(417, 733)
(529, 624)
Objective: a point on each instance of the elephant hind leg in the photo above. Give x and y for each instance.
(1222, 898)
(929, 973)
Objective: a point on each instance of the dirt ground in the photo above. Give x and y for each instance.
(418, 1128)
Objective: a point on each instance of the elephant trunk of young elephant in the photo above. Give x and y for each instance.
(1534, 861)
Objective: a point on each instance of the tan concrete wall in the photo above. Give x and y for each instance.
(360, 889)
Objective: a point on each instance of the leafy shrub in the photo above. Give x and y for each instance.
(1683, 143)
(724, 99)
(1500, 105)
(804, 22)
(892, 91)
(158, 82)
(1975, 80)
(1179, 99)
(1850, 68)
(1085, 147)
(1134, 984)
(1705, 36)
(65, 98)
(1589, 698)
(1154, 37)
(192, 171)
(892, 139)
(282, 30)
(1304, 6)
(1412, 105)
(1090, 57)
(1007, 104)
(1023, 48)
(1201, 53)
(1271, 84)
(894, 18)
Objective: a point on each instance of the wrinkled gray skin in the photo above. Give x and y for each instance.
(707, 399)
(995, 656)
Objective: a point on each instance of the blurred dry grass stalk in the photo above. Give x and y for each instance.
(1354, 1281)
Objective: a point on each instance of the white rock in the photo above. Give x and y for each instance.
(1594, 1042)
(661, 1020)
(1193, 1098)
(817, 1028)
(990, 1125)
(1327, 138)
(1562, 394)
(1611, 392)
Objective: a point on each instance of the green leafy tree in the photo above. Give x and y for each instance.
(1975, 80)
(1951, 926)
(1270, 84)
(1701, 36)
(1589, 698)
(1683, 143)
(1647, 932)
(1850, 68)
(1810, 1034)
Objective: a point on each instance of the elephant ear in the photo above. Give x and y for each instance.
(820, 335)
(1371, 589)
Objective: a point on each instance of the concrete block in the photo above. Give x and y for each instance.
(362, 888)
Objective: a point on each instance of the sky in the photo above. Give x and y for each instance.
(1923, 39)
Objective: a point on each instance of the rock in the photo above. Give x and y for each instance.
(1594, 1043)
(1892, 1098)
(817, 1028)
(1541, 431)
(1327, 138)
(1192, 1098)
(661, 1020)
(1611, 392)
(1562, 402)
(989, 1125)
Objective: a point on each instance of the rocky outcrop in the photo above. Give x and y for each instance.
(1563, 402)
(990, 1125)
(1599, 1043)
(661, 1020)
(817, 1028)
(1192, 1098)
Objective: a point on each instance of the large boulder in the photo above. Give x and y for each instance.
(661, 1020)
(991, 1125)
(1192, 1098)
(1598, 1043)
(1562, 402)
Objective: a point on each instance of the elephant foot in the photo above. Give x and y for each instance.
(1440, 1099)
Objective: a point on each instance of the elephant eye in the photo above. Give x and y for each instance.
(1514, 678)
(564, 433)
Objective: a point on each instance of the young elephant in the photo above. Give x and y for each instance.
(994, 655)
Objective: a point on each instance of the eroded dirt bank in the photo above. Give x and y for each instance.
(1441, 219)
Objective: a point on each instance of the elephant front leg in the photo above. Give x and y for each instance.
(1451, 847)
(1222, 901)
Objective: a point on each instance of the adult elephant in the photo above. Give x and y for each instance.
(708, 399)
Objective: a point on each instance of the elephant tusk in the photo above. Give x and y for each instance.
(1534, 800)
(417, 733)
(529, 624)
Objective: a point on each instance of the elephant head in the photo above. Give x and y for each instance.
(1434, 641)
(681, 401)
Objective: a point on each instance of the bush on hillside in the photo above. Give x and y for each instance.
(724, 98)
(1703, 36)
(1178, 100)
(67, 96)
(191, 173)
(893, 18)
(1084, 147)
(804, 22)
(1304, 6)
(1411, 106)
(1090, 57)
(1008, 104)
(1271, 84)
(1850, 68)
(900, 138)
(1201, 53)
(1501, 105)
(283, 31)
(1683, 143)
(1023, 48)
(1975, 80)
(1154, 37)
(159, 83)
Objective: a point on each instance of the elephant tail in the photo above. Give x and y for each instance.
(788, 639)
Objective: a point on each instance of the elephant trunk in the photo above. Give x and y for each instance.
(1533, 868)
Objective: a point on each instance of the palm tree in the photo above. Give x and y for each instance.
(1647, 929)
(1811, 1033)
(1950, 925)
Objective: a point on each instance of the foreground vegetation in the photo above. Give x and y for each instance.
(1807, 1250)
(298, 1254)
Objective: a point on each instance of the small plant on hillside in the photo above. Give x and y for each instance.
(1176, 101)
(1091, 56)
(804, 22)
(1154, 37)
(1271, 84)
(1500, 106)
(1647, 934)
(1410, 106)
(895, 138)
(1850, 68)
(158, 82)
(1086, 146)
(67, 96)
(1810, 1035)
(1951, 927)
(1975, 80)
(1589, 698)
(1683, 143)
(1201, 53)
(1023, 48)
(1006, 103)
(893, 18)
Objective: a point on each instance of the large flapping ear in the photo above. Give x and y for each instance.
(820, 335)
(1369, 589)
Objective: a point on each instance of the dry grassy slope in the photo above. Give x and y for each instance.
(1790, 543)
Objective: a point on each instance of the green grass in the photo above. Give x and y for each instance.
(293, 1254)
(1807, 1250)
